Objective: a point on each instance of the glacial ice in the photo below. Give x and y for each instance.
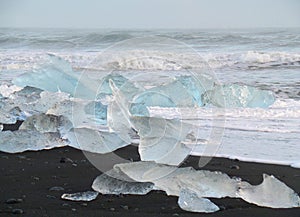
(172, 179)
(24, 140)
(41, 123)
(81, 196)
(235, 95)
(189, 184)
(160, 139)
(94, 141)
(270, 193)
(116, 182)
(196, 87)
(190, 201)
(55, 75)
(100, 115)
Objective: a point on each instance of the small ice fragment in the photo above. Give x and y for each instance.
(270, 193)
(116, 182)
(81, 196)
(189, 201)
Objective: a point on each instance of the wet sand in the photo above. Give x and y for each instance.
(26, 179)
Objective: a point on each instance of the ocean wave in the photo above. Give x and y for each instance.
(154, 60)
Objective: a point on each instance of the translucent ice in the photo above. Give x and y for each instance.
(94, 141)
(196, 86)
(122, 83)
(190, 183)
(116, 182)
(81, 196)
(42, 123)
(56, 75)
(235, 95)
(190, 201)
(23, 140)
(172, 179)
(82, 113)
(270, 193)
(160, 139)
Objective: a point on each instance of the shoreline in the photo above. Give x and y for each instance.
(29, 176)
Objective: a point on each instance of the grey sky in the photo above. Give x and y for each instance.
(150, 13)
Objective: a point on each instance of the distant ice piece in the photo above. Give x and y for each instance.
(235, 95)
(81, 196)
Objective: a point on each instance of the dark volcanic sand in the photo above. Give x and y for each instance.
(30, 175)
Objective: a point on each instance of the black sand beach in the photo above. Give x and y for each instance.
(26, 180)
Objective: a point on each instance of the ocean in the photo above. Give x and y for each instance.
(266, 59)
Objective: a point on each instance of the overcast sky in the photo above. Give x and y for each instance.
(150, 13)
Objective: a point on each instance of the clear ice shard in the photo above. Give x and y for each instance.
(190, 201)
(81, 196)
(236, 95)
(270, 193)
(116, 182)
(94, 141)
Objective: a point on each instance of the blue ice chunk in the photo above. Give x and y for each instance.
(56, 76)
(149, 98)
(173, 94)
(193, 87)
(120, 82)
(99, 111)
